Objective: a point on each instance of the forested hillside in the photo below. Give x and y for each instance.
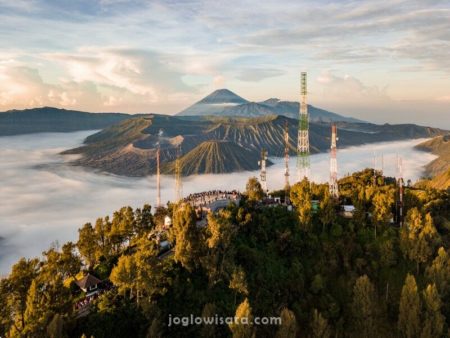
(327, 274)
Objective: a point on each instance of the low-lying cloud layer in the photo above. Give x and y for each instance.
(44, 200)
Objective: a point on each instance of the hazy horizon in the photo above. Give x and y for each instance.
(380, 62)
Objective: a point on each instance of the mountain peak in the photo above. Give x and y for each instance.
(271, 102)
(222, 96)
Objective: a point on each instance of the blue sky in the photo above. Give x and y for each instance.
(379, 61)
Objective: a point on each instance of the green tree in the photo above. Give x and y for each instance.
(102, 231)
(238, 282)
(327, 212)
(418, 238)
(187, 236)
(365, 309)
(301, 199)
(17, 285)
(208, 330)
(439, 272)
(69, 262)
(87, 245)
(220, 233)
(433, 321)
(156, 329)
(288, 327)
(144, 219)
(253, 190)
(55, 328)
(243, 326)
(319, 326)
(381, 213)
(409, 324)
(37, 313)
(124, 275)
(140, 275)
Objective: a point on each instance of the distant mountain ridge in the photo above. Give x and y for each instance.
(49, 119)
(224, 102)
(217, 144)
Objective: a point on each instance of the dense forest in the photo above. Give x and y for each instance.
(324, 273)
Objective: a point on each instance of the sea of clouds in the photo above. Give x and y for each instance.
(44, 200)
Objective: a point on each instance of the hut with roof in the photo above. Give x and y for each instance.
(89, 284)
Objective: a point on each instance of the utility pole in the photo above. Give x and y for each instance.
(263, 177)
(400, 190)
(178, 174)
(303, 131)
(333, 184)
(286, 163)
(158, 171)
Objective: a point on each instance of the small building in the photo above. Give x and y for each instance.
(167, 222)
(89, 284)
(348, 210)
(315, 206)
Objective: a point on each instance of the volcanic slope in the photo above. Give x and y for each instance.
(216, 144)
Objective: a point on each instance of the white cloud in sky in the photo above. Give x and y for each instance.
(141, 56)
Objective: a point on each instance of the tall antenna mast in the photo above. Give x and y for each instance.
(303, 132)
(286, 163)
(333, 184)
(400, 190)
(263, 177)
(158, 171)
(178, 182)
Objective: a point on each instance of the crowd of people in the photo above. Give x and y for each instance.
(207, 197)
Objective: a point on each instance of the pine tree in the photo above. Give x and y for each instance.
(319, 326)
(327, 212)
(243, 327)
(124, 275)
(439, 272)
(208, 330)
(409, 324)
(55, 328)
(238, 282)
(288, 328)
(381, 212)
(156, 329)
(37, 312)
(18, 284)
(418, 238)
(87, 245)
(253, 190)
(365, 309)
(301, 199)
(69, 262)
(433, 321)
(187, 237)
